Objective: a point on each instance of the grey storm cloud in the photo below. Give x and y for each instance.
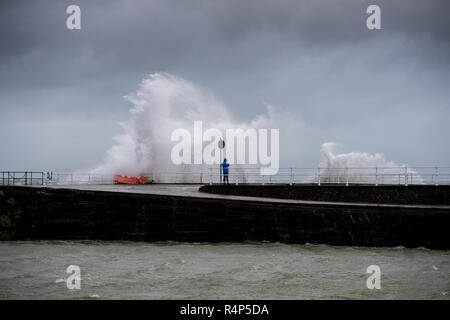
(377, 91)
(127, 33)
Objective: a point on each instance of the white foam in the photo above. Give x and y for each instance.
(361, 167)
(162, 104)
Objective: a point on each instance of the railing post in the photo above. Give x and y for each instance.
(318, 176)
(437, 176)
(406, 176)
(376, 176)
(290, 178)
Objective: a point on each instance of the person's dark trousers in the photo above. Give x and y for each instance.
(225, 177)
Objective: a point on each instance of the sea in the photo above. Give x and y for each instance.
(170, 270)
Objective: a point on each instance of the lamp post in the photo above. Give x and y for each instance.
(221, 145)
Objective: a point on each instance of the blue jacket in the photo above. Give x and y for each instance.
(225, 166)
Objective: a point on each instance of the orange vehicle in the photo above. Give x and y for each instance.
(119, 179)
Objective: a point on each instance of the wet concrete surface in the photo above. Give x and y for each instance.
(192, 191)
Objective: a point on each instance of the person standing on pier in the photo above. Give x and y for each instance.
(225, 169)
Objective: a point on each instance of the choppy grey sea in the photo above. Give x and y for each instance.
(138, 270)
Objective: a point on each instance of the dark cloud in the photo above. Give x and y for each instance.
(127, 33)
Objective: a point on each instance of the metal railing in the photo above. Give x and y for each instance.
(22, 178)
(240, 174)
(347, 176)
(29, 178)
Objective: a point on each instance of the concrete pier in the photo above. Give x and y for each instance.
(182, 213)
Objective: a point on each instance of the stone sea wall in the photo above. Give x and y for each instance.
(382, 194)
(66, 214)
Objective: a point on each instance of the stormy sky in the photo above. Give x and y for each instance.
(380, 91)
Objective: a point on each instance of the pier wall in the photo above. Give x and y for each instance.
(46, 213)
(382, 194)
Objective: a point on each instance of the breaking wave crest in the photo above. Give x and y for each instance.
(361, 167)
(162, 104)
